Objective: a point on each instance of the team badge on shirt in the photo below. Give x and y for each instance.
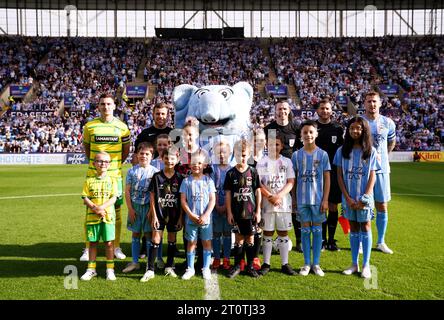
(316, 163)
(334, 139)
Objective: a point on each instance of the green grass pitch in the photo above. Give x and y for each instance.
(42, 235)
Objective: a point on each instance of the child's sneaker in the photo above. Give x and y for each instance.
(234, 272)
(147, 276)
(366, 272)
(383, 247)
(131, 267)
(318, 271)
(189, 273)
(252, 272)
(119, 254)
(305, 270)
(89, 274)
(110, 275)
(226, 265)
(257, 264)
(169, 271)
(85, 255)
(287, 269)
(216, 264)
(242, 265)
(206, 273)
(350, 270)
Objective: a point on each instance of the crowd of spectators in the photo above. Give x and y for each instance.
(18, 58)
(84, 68)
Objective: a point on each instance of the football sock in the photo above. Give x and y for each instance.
(366, 238)
(267, 248)
(152, 253)
(143, 246)
(238, 254)
(92, 265)
(257, 244)
(282, 244)
(206, 258)
(216, 246)
(381, 225)
(297, 229)
(190, 260)
(306, 245)
(148, 245)
(118, 226)
(249, 249)
(332, 223)
(199, 254)
(227, 246)
(159, 252)
(135, 249)
(171, 251)
(317, 243)
(324, 231)
(110, 264)
(354, 247)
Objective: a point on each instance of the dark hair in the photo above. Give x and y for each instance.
(324, 100)
(365, 140)
(309, 123)
(106, 95)
(372, 93)
(144, 145)
(161, 105)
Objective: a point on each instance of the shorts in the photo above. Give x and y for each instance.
(102, 230)
(335, 195)
(170, 223)
(220, 224)
(310, 213)
(280, 221)
(245, 227)
(381, 190)
(193, 232)
(119, 201)
(141, 223)
(364, 215)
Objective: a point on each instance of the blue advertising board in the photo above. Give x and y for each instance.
(76, 158)
(278, 90)
(68, 100)
(18, 91)
(138, 91)
(342, 100)
(389, 90)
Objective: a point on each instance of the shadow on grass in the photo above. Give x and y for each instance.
(59, 250)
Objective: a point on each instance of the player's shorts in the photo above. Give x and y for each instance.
(170, 223)
(141, 223)
(220, 223)
(280, 221)
(310, 213)
(364, 215)
(245, 227)
(382, 192)
(102, 230)
(335, 195)
(193, 232)
(119, 201)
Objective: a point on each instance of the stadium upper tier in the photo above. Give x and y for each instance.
(343, 69)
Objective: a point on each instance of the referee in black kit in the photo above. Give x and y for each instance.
(330, 138)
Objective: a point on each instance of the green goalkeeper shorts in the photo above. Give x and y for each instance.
(102, 230)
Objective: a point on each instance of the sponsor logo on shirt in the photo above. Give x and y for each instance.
(106, 139)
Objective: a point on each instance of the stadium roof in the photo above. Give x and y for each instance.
(224, 5)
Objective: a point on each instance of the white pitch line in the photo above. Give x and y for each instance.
(41, 196)
(212, 291)
(419, 195)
